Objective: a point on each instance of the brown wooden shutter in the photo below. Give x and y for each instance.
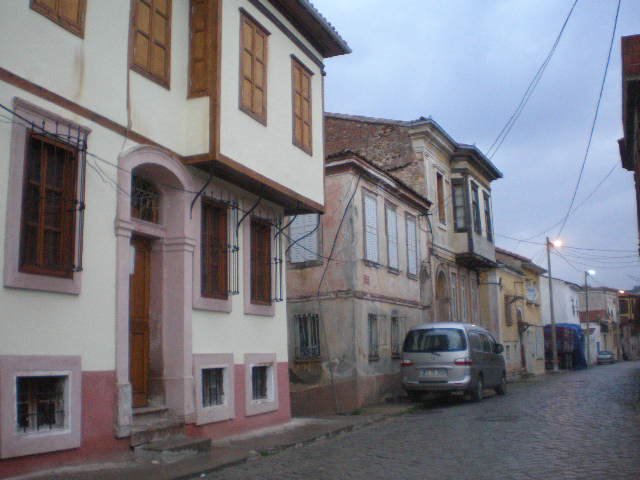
(198, 55)
(260, 262)
(48, 212)
(301, 106)
(152, 39)
(253, 69)
(69, 14)
(214, 262)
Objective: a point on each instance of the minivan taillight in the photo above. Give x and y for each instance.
(462, 362)
(406, 363)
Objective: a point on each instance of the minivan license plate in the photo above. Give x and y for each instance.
(433, 372)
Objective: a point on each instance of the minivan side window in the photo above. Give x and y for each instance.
(476, 341)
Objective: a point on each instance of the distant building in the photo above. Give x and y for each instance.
(630, 143)
(521, 327)
(629, 308)
(603, 318)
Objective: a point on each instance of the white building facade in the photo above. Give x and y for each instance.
(150, 150)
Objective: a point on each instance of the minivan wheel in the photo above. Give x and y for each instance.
(476, 393)
(502, 388)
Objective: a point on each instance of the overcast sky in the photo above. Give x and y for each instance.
(467, 63)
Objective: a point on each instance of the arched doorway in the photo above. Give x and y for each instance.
(154, 279)
(442, 298)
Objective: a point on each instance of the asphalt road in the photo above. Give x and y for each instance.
(577, 425)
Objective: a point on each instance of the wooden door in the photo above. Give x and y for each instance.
(139, 321)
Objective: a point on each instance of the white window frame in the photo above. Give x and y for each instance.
(393, 250)
(307, 249)
(226, 410)
(370, 227)
(262, 405)
(411, 228)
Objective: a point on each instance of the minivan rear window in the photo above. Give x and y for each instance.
(435, 340)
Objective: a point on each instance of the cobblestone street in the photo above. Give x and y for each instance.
(582, 424)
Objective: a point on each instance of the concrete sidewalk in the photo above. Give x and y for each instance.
(227, 452)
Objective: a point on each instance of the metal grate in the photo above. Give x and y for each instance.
(145, 200)
(307, 328)
(259, 382)
(212, 386)
(40, 403)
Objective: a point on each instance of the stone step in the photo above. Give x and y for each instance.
(173, 448)
(142, 433)
(148, 415)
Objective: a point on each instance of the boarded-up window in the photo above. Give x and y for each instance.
(47, 243)
(412, 246)
(214, 250)
(260, 262)
(370, 228)
(69, 14)
(198, 54)
(152, 39)
(301, 106)
(392, 237)
(442, 214)
(253, 69)
(304, 231)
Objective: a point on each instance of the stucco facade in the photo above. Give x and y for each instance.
(78, 92)
(350, 303)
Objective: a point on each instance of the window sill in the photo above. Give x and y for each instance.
(443, 226)
(308, 360)
(412, 276)
(257, 118)
(306, 264)
(393, 271)
(371, 263)
(374, 358)
(308, 151)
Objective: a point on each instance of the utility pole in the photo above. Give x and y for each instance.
(586, 306)
(554, 346)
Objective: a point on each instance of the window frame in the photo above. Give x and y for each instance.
(306, 75)
(77, 27)
(416, 264)
(222, 293)
(226, 410)
(442, 209)
(458, 184)
(271, 403)
(245, 17)
(14, 277)
(145, 70)
(303, 262)
(373, 336)
(313, 327)
(475, 207)
(208, 7)
(390, 209)
(15, 443)
(368, 196)
(257, 224)
(487, 216)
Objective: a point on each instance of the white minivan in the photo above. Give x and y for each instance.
(452, 357)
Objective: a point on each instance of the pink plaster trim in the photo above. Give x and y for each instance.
(171, 285)
(215, 413)
(16, 444)
(257, 407)
(252, 308)
(13, 277)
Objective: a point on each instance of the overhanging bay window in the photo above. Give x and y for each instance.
(457, 194)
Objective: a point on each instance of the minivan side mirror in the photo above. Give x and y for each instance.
(499, 348)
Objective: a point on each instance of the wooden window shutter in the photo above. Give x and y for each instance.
(253, 69)
(152, 40)
(301, 79)
(47, 244)
(214, 248)
(371, 228)
(198, 54)
(69, 14)
(260, 262)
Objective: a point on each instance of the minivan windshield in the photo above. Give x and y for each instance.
(435, 340)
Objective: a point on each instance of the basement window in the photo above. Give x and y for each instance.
(259, 382)
(212, 387)
(41, 403)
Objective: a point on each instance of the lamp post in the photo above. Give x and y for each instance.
(586, 308)
(554, 346)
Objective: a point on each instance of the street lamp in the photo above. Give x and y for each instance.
(554, 347)
(587, 274)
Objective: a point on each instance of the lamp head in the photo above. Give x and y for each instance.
(591, 272)
(556, 243)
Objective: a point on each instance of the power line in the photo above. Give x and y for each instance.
(497, 143)
(593, 124)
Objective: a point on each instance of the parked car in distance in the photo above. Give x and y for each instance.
(605, 356)
(452, 357)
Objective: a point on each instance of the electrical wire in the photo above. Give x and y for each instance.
(497, 143)
(593, 124)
